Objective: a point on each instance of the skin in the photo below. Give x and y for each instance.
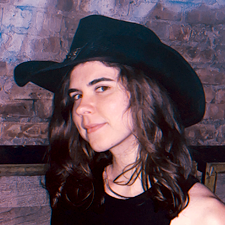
(101, 107)
(102, 116)
(203, 208)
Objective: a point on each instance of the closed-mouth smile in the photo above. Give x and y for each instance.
(93, 127)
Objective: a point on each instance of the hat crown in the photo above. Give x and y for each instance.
(103, 38)
(95, 26)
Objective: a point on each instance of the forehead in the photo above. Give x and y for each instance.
(86, 72)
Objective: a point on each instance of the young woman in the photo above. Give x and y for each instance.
(117, 149)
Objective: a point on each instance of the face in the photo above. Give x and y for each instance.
(101, 106)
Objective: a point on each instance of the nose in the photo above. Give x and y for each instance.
(85, 106)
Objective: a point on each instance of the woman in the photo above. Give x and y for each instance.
(117, 150)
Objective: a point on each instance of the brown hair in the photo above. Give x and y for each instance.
(75, 171)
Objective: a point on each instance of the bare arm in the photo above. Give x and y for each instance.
(203, 208)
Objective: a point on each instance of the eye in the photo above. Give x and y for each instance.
(76, 97)
(102, 88)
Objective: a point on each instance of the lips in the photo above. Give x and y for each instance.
(93, 127)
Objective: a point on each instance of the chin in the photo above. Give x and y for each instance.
(99, 147)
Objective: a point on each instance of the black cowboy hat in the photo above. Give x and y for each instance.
(132, 44)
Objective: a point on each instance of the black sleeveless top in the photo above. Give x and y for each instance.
(138, 210)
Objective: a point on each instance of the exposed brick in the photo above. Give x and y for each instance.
(65, 5)
(160, 28)
(33, 131)
(201, 33)
(1, 85)
(193, 53)
(196, 54)
(17, 109)
(51, 24)
(220, 15)
(219, 32)
(13, 130)
(211, 76)
(37, 45)
(3, 69)
(1, 10)
(14, 42)
(39, 3)
(207, 55)
(206, 135)
(51, 44)
(221, 130)
(179, 33)
(5, 38)
(12, 64)
(140, 10)
(14, 18)
(210, 94)
(68, 29)
(200, 134)
(220, 53)
(9, 91)
(214, 111)
(24, 133)
(159, 12)
(8, 84)
(188, 52)
(205, 15)
(47, 45)
(43, 108)
(122, 7)
(98, 6)
(220, 97)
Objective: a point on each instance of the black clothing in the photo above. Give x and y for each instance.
(138, 210)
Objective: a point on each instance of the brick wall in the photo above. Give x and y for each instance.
(43, 30)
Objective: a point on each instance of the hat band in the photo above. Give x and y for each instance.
(73, 55)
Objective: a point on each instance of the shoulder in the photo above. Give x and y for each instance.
(203, 208)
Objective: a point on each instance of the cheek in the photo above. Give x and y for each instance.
(123, 111)
(121, 116)
(74, 117)
(77, 122)
(128, 120)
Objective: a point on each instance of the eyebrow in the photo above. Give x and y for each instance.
(95, 81)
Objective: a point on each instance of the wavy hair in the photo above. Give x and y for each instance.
(75, 170)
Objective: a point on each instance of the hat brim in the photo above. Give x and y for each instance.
(102, 38)
(161, 62)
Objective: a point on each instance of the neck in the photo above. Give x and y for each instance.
(122, 181)
(124, 156)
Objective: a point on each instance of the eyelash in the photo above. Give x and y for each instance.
(75, 97)
(104, 88)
